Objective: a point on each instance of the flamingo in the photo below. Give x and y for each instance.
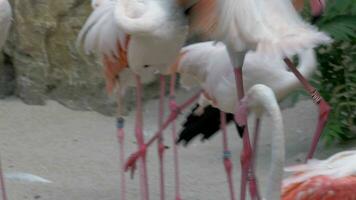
(207, 65)
(330, 179)
(139, 37)
(270, 27)
(5, 23)
(261, 99)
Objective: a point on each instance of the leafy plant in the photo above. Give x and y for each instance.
(336, 76)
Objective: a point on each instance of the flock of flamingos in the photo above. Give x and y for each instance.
(245, 68)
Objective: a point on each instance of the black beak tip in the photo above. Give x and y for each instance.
(240, 129)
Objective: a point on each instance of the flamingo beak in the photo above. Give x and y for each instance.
(317, 7)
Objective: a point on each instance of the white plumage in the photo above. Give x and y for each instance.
(340, 165)
(261, 98)
(208, 65)
(270, 26)
(157, 31)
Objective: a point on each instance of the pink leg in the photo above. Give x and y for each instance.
(227, 156)
(253, 184)
(246, 171)
(160, 138)
(140, 140)
(324, 108)
(2, 184)
(131, 162)
(121, 138)
(173, 105)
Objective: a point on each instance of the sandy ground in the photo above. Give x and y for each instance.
(78, 152)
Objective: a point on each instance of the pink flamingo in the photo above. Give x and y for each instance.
(272, 27)
(139, 37)
(330, 179)
(5, 23)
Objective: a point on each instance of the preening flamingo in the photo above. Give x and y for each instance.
(5, 23)
(330, 179)
(207, 65)
(135, 35)
(261, 99)
(270, 27)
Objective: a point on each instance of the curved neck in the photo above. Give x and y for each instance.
(274, 184)
(263, 97)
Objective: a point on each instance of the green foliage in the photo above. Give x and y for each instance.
(336, 77)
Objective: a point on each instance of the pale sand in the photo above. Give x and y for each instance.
(78, 152)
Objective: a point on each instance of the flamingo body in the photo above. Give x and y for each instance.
(330, 179)
(144, 36)
(207, 64)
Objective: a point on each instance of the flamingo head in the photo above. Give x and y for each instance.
(317, 7)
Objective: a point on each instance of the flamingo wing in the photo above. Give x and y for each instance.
(101, 35)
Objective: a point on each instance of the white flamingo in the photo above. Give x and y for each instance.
(261, 99)
(270, 27)
(135, 35)
(5, 23)
(208, 65)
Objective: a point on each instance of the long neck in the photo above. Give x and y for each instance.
(277, 155)
(265, 98)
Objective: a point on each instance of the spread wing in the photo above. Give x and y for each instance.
(102, 36)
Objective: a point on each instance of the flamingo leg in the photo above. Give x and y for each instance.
(173, 106)
(160, 138)
(120, 123)
(140, 140)
(253, 184)
(324, 108)
(2, 184)
(130, 163)
(247, 173)
(227, 156)
(121, 137)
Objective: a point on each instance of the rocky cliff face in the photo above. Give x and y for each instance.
(41, 61)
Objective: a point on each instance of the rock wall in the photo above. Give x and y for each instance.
(41, 61)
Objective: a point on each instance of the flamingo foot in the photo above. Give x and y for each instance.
(324, 110)
(131, 162)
